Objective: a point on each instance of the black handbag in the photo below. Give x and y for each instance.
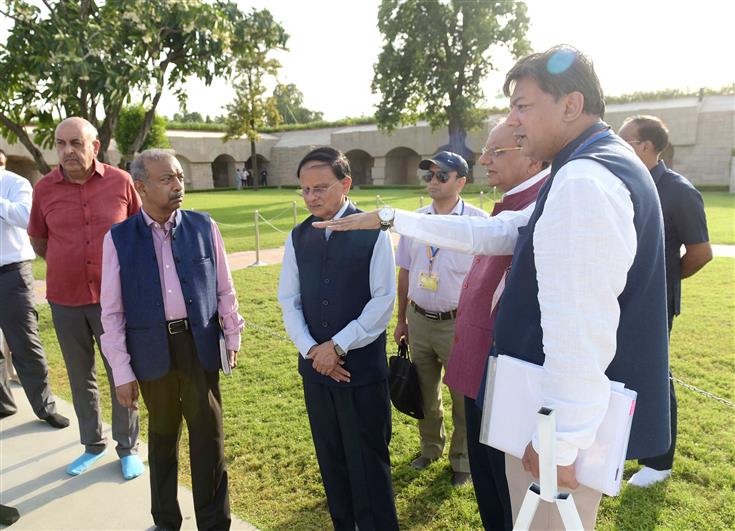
(405, 392)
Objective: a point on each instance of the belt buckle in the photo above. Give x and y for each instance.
(434, 316)
(173, 326)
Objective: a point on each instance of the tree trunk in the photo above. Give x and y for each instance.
(24, 139)
(457, 139)
(147, 122)
(254, 165)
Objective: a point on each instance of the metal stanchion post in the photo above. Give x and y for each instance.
(482, 200)
(495, 193)
(377, 201)
(421, 201)
(295, 214)
(257, 241)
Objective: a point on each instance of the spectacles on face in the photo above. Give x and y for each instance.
(441, 176)
(317, 191)
(495, 153)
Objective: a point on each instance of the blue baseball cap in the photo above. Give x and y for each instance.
(447, 161)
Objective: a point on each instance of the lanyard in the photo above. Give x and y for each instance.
(432, 251)
(591, 140)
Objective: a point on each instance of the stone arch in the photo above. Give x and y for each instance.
(263, 164)
(401, 166)
(186, 167)
(223, 171)
(361, 164)
(23, 166)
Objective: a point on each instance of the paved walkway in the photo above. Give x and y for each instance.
(245, 259)
(33, 459)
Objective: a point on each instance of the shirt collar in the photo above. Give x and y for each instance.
(456, 211)
(528, 183)
(567, 151)
(341, 211)
(658, 171)
(172, 222)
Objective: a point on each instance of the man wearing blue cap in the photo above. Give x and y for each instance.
(429, 284)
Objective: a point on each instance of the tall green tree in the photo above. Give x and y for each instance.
(85, 58)
(259, 36)
(435, 55)
(290, 105)
(129, 124)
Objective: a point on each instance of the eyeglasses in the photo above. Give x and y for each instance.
(441, 176)
(495, 153)
(317, 191)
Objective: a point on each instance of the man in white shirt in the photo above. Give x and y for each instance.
(585, 296)
(18, 318)
(337, 293)
(429, 283)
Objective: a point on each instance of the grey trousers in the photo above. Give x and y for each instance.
(19, 323)
(77, 328)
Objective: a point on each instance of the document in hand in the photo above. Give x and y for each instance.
(224, 356)
(512, 399)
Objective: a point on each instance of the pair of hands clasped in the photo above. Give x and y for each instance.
(127, 393)
(327, 363)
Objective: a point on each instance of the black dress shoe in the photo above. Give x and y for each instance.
(8, 515)
(460, 478)
(421, 462)
(56, 420)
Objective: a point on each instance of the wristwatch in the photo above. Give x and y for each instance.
(338, 350)
(386, 215)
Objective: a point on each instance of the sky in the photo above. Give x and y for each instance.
(636, 45)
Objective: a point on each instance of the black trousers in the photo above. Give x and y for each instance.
(487, 465)
(186, 390)
(19, 323)
(666, 461)
(351, 428)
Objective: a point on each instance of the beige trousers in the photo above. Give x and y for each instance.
(547, 515)
(431, 344)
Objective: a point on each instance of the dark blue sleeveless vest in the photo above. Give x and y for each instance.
(641, 358)
(194, 257)
(334, 275)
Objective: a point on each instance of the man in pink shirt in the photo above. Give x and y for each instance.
(73, 207)
(167, 298)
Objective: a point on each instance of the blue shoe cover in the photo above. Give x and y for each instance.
(83, 462)
(132, 466)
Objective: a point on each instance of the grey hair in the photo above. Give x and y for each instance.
(138, 169)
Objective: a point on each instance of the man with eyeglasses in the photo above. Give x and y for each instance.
(337, 292)
(429, 283)
(520, 178)
(685, 224)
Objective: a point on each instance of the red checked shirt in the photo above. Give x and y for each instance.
(74, 219)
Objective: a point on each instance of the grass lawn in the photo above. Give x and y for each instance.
(274, 477)
(234, 211)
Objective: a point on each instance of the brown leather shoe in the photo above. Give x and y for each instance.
(460, 478)
(421, 462)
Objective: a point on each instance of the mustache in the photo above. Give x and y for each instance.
(176, 196)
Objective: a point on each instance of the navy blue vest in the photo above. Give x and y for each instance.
(334, 275)
(641, 358)
(194, 256)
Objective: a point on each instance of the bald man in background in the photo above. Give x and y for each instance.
(73, 207)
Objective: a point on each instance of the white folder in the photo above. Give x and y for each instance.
(512, 399)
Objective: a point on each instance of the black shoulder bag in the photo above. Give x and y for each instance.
(405, 392)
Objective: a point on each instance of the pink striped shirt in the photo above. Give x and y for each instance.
(113, 313)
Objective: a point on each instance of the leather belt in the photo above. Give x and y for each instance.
(178, 326)
(12, 267)
(435, 316)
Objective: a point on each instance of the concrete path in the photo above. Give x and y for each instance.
(245, 259)
(33, 459)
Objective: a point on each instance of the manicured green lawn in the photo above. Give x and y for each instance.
(274, 477)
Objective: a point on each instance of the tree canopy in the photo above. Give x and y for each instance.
(251, 110)
(435, 56)
(290, 105)
(86, 58)
(129, 123)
